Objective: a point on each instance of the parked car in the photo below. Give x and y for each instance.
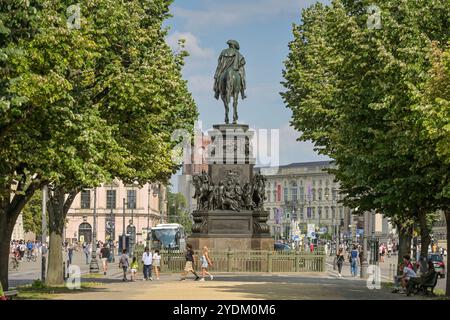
(281, 246)
(438, 263)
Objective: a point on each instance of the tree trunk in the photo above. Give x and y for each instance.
(5, 239)
(425, 240)
(9, 212)
(57, 211)
(404, 244)
(447, 220)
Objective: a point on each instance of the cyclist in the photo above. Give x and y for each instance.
(29, 250)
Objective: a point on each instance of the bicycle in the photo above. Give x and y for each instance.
(31, 257)
(14, 264)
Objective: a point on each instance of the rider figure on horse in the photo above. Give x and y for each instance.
(229, 79)
(230, 58)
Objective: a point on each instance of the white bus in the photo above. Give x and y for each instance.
(168, 236)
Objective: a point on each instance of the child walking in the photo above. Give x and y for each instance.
(206, 261)
(134, 269)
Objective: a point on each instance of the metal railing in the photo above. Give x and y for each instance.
(248, 261)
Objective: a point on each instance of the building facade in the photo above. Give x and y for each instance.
(195, 164)
(18, 231)
(116, 205)
(303, 198)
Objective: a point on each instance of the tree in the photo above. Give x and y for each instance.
(32, 215)
(138, 89)
(178, 212)
(90, 104)
(434, 107)
(351, 90)
(35, 105)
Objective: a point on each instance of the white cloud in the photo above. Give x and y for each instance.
(229, 13)
(192, 45)
(201, 84)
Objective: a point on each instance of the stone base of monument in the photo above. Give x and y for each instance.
(227, 229)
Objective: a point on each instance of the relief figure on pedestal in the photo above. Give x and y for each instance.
(231, 202)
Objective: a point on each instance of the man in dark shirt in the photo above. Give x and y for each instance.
(104, 253)
(190, 262)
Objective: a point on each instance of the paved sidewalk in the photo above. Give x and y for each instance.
(308, 286)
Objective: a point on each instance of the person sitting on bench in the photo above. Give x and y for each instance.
(408, 273)
(422, 280)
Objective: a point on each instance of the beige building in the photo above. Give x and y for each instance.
(18, 232)
(302, 194)
(144, 207)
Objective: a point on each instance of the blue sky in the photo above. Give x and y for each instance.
(263, 29)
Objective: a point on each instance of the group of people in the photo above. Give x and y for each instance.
(353, 257)
(20, 248)
(409, 279)
(151, 261)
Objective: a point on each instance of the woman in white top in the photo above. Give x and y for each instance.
(157, 263)
(205, 261)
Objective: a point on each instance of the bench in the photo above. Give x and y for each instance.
(429, 285)
(10, 294)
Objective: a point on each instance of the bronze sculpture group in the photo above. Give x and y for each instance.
(228, 194)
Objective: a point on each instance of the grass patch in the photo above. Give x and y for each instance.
(38, 291)
(92, 276)
(387, 285)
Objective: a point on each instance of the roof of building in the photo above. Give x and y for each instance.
(308, 164)
(301, 165)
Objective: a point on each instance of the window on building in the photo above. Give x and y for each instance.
(320, 212)
(110, 199)
(327, 194)
(320, 194)
(85, 199)
(294, 193)
(302, 194)
(313, 213)
(131, 199)
(286, 194)
(326, 213)
(313, 191)
(333, 212)
(341, 213)
(333, 194)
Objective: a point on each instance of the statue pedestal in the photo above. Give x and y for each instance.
(230, 170)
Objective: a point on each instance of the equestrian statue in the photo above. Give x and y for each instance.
(229, 79)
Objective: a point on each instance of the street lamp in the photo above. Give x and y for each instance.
(44, 231)
(112, 226)
(93, 266)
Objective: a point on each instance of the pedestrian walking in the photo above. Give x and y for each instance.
(206, 262)
(86, 252)
(104, 253)
(354, 261)
(340, 261)
(124, 264)
(147, 260)
(70, 253)
(157, 263)
(190, 262)
(134, 269)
